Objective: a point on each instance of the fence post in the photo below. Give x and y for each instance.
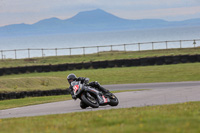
(166, 45)
(83, 51)
(42, 52)
(125, 48)
(29, 53)
(15, 54)
(152, 46)
(56, 51)
(70, 52)
(139, 46)
(2, 54)
(194, 43)
(111, 47)
(98, 50)
(180, 44)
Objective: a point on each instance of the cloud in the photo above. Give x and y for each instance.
(40, 5)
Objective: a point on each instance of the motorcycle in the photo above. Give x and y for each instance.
(91, 97)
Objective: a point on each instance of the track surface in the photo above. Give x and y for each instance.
(156, 94)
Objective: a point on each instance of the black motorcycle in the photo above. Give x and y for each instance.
(92, 97)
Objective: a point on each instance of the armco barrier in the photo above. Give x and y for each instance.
(79, 66)
(95, 65)
(160, 60)
(87, 65)
(103, 64)
(193, 58)
(30, 69)
(38, 93)
(116, 63)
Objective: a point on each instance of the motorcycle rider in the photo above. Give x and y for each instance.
(72, 77)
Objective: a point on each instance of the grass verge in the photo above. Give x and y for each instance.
(13, 103)
(177, 118)
(111, 55)
(143, 74)
(6, 104)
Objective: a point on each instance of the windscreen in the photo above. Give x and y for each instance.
(74, 83)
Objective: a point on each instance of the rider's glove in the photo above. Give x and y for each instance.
(94, 84)
(91, 84)
(80, 79)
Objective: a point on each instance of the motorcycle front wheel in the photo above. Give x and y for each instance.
(113, 100)
(90, 101)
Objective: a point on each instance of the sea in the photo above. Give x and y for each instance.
(74, 44)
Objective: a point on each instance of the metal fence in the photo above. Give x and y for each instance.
(30, 53)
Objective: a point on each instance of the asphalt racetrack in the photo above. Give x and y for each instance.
(154, 94)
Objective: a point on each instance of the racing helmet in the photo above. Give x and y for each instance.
(71, 77)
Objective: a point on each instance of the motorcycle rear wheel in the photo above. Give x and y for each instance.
(88, 102)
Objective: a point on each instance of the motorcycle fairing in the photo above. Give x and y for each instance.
(75, 88)
(105, 99)
(100, 96)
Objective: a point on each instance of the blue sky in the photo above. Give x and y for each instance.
(31, 11)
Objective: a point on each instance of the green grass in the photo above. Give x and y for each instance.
(143, 74)
(6, 104)
(177, 118)
(13, 103)
(30, 82)
(95, 57)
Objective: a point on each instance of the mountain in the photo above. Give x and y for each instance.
(90, 21)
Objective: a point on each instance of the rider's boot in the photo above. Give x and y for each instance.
(106, 92)
(83, 105)
(98, 86)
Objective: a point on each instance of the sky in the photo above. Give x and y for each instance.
(32, 11)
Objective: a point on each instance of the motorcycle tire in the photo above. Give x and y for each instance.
(88, 102)
(113, 100)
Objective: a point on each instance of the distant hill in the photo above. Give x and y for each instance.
(90, 21)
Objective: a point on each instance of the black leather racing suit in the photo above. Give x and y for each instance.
(94, 84)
